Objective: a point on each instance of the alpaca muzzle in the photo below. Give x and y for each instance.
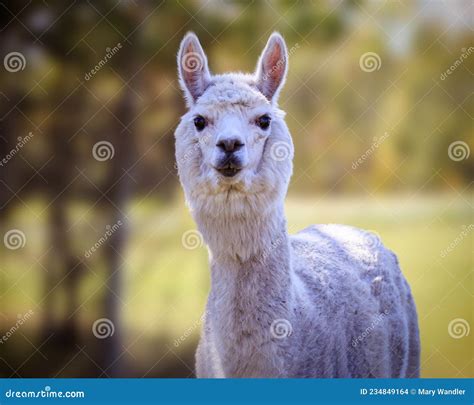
(230, 165)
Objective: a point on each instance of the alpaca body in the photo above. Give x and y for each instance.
(342, 304)
(328, 302)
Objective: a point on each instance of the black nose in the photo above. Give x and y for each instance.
(229, 145)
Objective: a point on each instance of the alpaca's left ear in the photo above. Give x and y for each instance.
(194, 75)
(272, 67)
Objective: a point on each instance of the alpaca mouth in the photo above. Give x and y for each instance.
(228, 171)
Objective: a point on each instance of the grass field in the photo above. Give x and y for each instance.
(167, 285)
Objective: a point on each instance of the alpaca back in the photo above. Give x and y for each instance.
(362, 315)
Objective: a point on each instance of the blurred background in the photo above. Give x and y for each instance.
(98, 274)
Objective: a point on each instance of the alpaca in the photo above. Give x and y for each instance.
(327, 302)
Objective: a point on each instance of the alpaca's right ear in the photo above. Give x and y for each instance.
(194, 75)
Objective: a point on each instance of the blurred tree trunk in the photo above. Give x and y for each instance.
(63, 262)
(118, 191)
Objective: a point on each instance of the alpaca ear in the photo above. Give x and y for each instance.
(272, 67)
(194, 75)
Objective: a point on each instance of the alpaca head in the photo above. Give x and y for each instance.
(233, 149)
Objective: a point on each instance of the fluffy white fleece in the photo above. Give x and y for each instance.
(330, 301)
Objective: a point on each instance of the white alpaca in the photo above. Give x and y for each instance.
(329, 301)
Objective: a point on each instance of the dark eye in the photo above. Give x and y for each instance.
(200, 123)
(264, 121)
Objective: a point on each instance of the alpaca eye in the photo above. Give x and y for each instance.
(200, 122)
(264, 121)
